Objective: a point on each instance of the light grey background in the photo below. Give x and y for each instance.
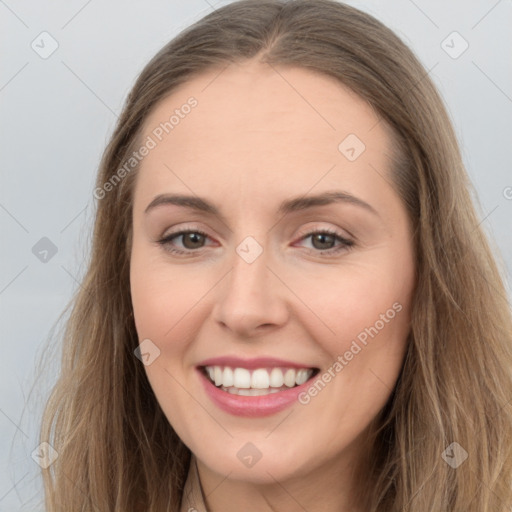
(57, 114)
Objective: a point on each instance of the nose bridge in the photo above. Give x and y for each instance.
(250, 268)
(251, 295)
(249, 276)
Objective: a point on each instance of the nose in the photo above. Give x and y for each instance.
(252, 300)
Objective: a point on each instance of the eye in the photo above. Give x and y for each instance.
(323, 241)
(191, 240)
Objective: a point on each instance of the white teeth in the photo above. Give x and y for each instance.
(227, 377)
(218, 375)
(276, 378)
(289, 378)
(301, 377)
(252, 392)
(260, 379)
(235, 380)
(241, 378)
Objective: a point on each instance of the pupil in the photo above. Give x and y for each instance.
(322, 239)
(195, 239)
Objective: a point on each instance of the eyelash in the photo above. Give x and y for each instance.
(345, 243)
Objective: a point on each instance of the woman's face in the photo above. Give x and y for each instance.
(258, 294)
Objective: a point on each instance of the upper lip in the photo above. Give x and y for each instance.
(254, 363)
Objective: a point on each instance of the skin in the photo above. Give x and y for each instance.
(259, 136)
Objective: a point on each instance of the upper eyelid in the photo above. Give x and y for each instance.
(330, 230)
(302, 231)
(183, 230)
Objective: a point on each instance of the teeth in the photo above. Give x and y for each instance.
(289, 378)
(218, 375)
(227, 377)
(241, 378)
(260, 379)
(301, 377)
(276, 378)
(257, 382)
(253, 392)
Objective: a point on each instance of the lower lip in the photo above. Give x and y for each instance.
(251, 406)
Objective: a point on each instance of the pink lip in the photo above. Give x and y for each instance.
(251, 406)
(251, 364)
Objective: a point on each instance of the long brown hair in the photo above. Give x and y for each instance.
(118, 452)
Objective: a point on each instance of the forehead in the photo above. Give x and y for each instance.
(263, 128)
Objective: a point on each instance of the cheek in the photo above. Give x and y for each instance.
(361, 321)
(352, 300)
(162, 297)
(367, 315)
(165, 305)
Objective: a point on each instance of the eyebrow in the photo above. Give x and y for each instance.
(288, 206)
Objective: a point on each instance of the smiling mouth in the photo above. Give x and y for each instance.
(257, 382)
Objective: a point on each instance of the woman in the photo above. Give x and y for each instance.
(290, 304)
